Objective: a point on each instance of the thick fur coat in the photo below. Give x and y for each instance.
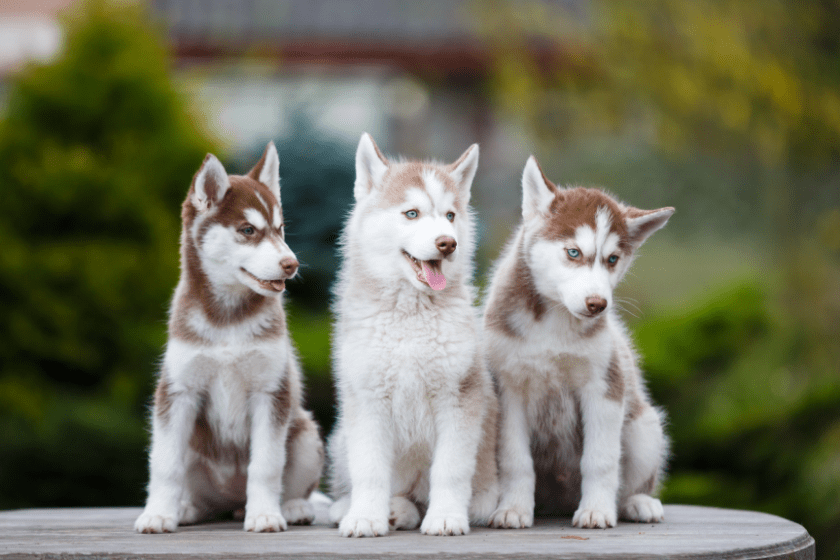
(228, 428)
(578, 431)
(416, 430)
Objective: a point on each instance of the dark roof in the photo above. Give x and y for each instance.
(439, 35)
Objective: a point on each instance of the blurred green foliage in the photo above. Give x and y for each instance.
(97, 150)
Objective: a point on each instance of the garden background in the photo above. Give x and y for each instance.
(728, 110)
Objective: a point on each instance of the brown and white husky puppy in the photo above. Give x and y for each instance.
(228, 427)
(417, 415)
(577, 424)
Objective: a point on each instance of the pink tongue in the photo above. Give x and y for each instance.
(435, 279)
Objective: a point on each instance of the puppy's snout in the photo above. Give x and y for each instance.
(289, 266)
(446, 245)
(595, 304)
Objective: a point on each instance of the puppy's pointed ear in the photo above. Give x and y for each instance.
(464, 168)
(537, 191)
(642, 223)
(371, 166)
(267, 170)
(209, 184)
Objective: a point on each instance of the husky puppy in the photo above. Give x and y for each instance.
(228, 429)
(577, 424)
(417, 418)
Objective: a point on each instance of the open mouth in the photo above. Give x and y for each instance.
(270, 285)
(428, 272)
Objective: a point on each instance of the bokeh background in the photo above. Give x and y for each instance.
(728, 110)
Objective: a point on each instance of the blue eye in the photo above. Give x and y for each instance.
(411, 214)
(574, 253)
(450, 216)
(613, 259)
(247, 230)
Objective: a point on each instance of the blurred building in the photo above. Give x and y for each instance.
(412, 73)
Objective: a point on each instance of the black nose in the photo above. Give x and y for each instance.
(289, 266)
(445, 245)
(595, 304)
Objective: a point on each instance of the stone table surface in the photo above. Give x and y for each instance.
(688, 532)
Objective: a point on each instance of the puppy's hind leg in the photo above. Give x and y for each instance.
(304, 463)
(404, 514)
(645, 450)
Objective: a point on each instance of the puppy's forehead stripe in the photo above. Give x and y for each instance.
(256, 218)
(579, 206)
(431, 178)
(276, 220)
(262, 201)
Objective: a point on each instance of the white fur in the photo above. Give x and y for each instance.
(270, 172)
(211, 172)
(401, 351)
(552, 364)
(536, 195)
(231, 377)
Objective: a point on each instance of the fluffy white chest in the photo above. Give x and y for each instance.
(549, 358)
(408, 363)
(222, 378)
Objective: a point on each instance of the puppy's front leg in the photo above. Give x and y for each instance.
(602, 417)
(370, 457)
(516, 466)
(269, 429)
(453, 466)
(173, 421)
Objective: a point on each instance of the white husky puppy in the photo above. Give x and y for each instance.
(577, 424)
(417, 420)
(228, 430)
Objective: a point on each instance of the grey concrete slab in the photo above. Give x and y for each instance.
(688, 532)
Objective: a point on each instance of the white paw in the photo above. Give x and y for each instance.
(298, 512)
(189, 514)
(642, 508)
(404, 514)
(445, 524)
(361, 526)
(484, 505)
(265, 522)
(512, 518)
(339, 509)
(152, 523)
(591, 518)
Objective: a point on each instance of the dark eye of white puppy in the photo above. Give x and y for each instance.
(613, 259)
(247, 230)
(412, 214)
(450, 216)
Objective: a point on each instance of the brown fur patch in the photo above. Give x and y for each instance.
(401, 177)
(471, 382)
(205, 442)
(635, 408)
(578, 206)
(282, 401)
(593, 327)
(615, 380)
(163, 399)
(578, 443)
(517, 291)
